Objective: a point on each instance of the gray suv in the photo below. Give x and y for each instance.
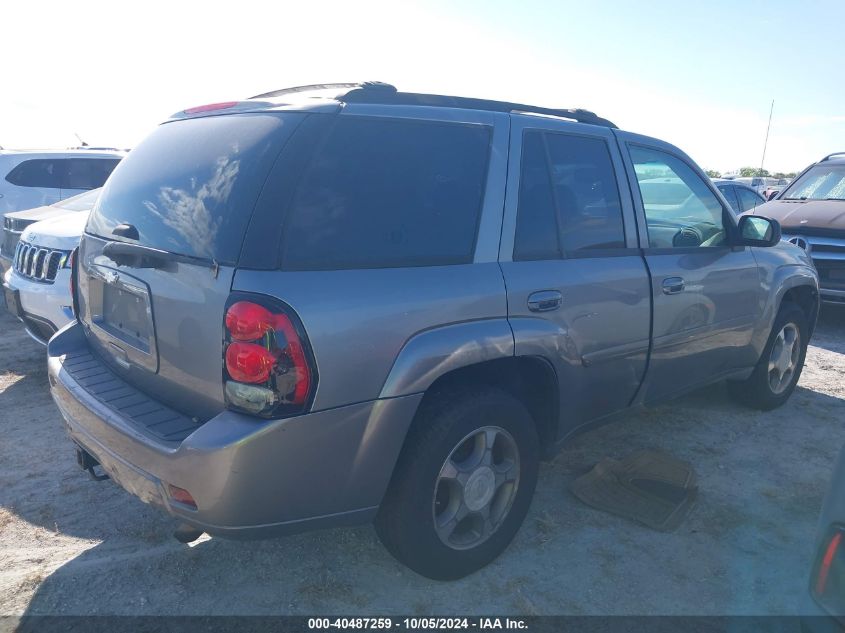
(336, 304)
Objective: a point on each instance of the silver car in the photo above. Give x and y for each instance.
(338, 304)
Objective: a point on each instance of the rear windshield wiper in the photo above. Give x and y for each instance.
(140, 256)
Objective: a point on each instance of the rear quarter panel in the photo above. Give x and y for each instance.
(412, 324)
(358, 320)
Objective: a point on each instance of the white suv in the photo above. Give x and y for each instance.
(37, 285)
(30, 179)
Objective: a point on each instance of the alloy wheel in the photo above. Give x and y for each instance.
(783, 359)
(476, 487)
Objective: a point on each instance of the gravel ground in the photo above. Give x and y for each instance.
(69, 545)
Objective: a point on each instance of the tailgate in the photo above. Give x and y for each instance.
(185, 194)
(160, 330)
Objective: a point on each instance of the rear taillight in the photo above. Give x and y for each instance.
(248, 362)
(268, 368)
(72, 265)
(828, 582)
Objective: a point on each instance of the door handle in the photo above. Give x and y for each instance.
(673, 285)
(544, 300)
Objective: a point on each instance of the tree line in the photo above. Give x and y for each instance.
(750, 172)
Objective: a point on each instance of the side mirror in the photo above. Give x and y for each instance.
(755, 230)
(772, 195)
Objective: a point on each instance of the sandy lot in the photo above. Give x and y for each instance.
(69, 545)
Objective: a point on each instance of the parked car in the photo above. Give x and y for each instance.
(298, 311)
(757, 183)
(827, 580)
(30, 179)
(776, 187)
(812, 213)
(37, 285)
(17, 221)
(742, 198)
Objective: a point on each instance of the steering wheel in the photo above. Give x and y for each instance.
(687, 236)
(717, 239)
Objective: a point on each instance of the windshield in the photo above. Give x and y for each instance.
(82, 202)
(189, 187)
(822, 182)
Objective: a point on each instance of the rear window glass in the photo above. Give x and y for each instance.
(389, 193)
(88, 173)
(190, 186)
(38, 172)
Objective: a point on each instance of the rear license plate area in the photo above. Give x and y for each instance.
(125, 312)
(121, 317)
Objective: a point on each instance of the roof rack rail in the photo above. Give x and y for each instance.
(829, 156)
(312, 87)
(377, 92)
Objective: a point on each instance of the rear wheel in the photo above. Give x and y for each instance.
(779, 368)
(463, 483)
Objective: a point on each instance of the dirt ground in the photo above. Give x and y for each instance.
(69, 545)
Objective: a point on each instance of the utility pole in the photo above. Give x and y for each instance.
(766, 142)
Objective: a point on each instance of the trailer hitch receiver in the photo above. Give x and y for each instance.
(89, 464)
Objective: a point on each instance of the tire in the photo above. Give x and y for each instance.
(758, 391)
(448, 428)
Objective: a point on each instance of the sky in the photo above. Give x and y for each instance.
(701, 75)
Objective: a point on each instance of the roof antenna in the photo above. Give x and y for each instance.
(81, 142)
(766, 142)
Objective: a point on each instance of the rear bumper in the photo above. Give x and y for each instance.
(250, 478)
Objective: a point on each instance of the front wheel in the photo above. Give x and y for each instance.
(779, 368)
(463, 483)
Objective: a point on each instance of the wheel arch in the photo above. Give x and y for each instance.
(805, 297)
(529, 379)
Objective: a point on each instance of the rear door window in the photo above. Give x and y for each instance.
(537, 235)
(87, 173)
(190, 187)
(748, 199)
(38, 172)
(586, 194)
(382, 193)
(729, 192)
(568, 198)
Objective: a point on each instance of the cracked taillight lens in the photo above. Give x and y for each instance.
(268, 368)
